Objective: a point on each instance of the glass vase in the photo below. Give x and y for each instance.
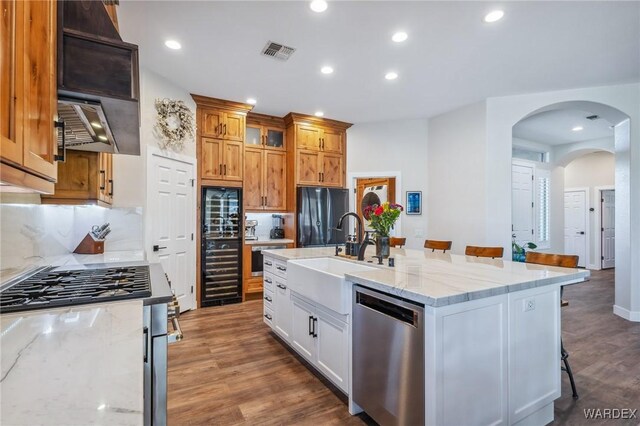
(382, 246)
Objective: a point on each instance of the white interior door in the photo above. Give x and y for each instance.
(522, 210)
(575, 224)
(171, 212)
(608, 241)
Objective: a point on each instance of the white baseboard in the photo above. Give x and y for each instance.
(594, 267)
(626, 314)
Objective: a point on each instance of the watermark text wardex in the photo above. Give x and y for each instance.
(610, 413)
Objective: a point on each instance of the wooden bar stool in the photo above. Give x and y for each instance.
(491, 252)
(564, 261)
(397, 242)
(437, 245)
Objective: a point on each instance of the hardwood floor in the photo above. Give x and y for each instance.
(230, 370)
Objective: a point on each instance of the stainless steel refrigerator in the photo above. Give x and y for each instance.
(318, 212)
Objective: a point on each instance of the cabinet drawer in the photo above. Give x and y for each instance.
(268, 299)
(268, 316)
(280, 268)
(268, 282)
(268, 265)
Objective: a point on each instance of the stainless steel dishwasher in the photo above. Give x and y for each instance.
(388, 357)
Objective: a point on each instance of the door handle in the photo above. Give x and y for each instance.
(225, 129)
(310, 325)
(267, 298)
(111, 192)
(580, 232)
(156, 247)
(225, 170)
(145, 333)
(315, 331)
(103, 180)
(61, 157)
(220, 173)
(280, 286)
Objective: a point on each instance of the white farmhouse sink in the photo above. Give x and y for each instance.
(322, 280)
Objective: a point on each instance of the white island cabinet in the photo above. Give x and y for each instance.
(491, 327)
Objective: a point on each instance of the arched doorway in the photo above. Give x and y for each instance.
(619, 145)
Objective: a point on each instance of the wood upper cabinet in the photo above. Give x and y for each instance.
(319, 148)
(84, 178)
(232, 160)
(265, 180)
(275, 180)
(332, 173)
(223, 125)
(220, 159)
(332, 140)
(253, 194)
(308, 167)
(308, 137)
(28, 92)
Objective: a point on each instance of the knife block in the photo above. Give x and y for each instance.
(89, 245)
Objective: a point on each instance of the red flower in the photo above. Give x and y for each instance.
(378, 211)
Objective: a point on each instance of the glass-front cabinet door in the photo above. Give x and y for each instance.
(253, 135)
(274, 138)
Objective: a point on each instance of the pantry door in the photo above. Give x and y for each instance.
(170, 216)
(575, 224)
(608, 228)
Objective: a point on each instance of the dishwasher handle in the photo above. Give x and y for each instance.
(386, 306)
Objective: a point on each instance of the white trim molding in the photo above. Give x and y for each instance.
(351, 178)
(626, 314)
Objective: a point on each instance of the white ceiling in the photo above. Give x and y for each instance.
(451, 58)
(555, 127)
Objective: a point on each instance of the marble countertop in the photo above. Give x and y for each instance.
(74, 365)
(438, 279)
(269, 241)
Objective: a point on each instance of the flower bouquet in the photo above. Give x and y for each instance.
(382, 219)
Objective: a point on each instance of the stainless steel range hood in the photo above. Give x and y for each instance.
(98, 82)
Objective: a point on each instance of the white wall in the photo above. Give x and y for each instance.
(397, 147)
(456, 202)
(591, 171)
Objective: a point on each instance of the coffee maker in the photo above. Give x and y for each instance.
(250, 230)
(277, 232)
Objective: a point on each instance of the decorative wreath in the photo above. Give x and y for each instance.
(174, 123)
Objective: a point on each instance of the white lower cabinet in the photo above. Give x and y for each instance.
(282, 310)
(323, 339)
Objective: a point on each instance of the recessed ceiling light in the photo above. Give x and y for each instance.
(102, 137)
(326, 70)
(318, 5)
(391, 75)
(493, 16)
(172, 44)
(577, 128)
(319, 113)
(399, 37)
(251, 101)
(96, 125)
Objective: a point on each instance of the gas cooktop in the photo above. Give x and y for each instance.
(53, 287)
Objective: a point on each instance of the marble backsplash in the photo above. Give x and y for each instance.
(33, 234)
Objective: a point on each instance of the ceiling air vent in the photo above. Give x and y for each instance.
(593, 117)
(278, 51)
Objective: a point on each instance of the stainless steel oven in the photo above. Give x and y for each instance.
(256, 258)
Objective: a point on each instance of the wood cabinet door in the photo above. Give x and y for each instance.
(275, 180)
(233, 164)
(79, 176)
(253, 179)
(233, 127)
(308, 167)
(212, 123)
(211, 163)
(37, 83)
(332, 170)
(332, 140)
(274, 138)
(308, 137)
(10, 140)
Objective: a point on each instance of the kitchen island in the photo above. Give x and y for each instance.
(491, 327)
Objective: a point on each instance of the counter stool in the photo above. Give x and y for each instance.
(437, 245)
(397, 242)
(565, 261)
(491, 252)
